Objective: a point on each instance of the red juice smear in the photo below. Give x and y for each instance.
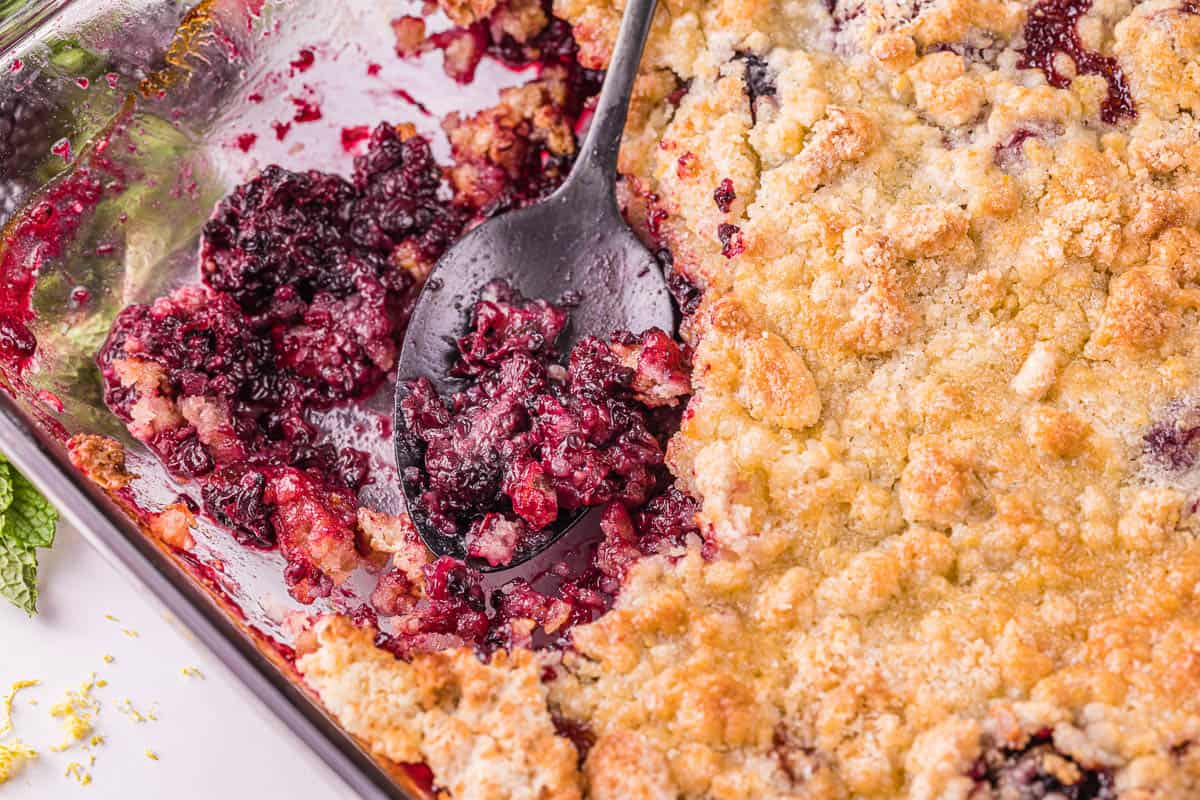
(16, 65)
(306, 110)
(50, 400)
(245, 141)
(38, 234)
(281, 129)
(384, 425)
(584, 120)
(655, 219)
(412, 101)
(17, 343)
(421, 775)
(373, 69)
(62, 149)
(354, 136)
(303, 61)
(254, 98)
(32, 238)
(211, 575)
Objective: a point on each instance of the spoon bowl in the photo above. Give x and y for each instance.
(572, 248)
(568, 247)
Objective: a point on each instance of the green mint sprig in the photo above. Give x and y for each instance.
(27, 522)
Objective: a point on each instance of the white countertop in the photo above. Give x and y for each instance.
(211, 738)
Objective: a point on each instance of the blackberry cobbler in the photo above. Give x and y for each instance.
(927, 525)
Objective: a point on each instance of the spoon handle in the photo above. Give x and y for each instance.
(596, 168)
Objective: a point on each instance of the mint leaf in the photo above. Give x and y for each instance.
(27, 522)
(18, 575)
(6, 486)
(30, 519)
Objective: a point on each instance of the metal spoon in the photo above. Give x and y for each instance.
(574, 241)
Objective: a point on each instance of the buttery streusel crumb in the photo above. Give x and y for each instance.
(944, 432)
(484, 729)
(101, 459)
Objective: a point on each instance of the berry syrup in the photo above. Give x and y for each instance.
(1052, 31)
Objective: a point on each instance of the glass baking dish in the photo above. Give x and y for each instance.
(126, 121)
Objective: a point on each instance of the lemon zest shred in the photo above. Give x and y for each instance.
(13, 754)
(127, 708)
(13, 757)
(79, 772)
(6, 705)
(78, 711)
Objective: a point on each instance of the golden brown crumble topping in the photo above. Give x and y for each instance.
(100, 458)
(942, 432)
(396, 537)
(483, 728)
(499, 138)
(173, 525)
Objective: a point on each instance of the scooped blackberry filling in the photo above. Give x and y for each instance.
(528, 442)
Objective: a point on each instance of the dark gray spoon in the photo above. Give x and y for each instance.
(573, 243)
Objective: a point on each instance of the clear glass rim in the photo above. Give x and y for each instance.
(27, 19)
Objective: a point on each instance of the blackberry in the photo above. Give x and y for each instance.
(724, 195)
(1021, 773)
(234, 498)
(25, 133)
(517, 439)
(1173, 443)
(759, 79)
